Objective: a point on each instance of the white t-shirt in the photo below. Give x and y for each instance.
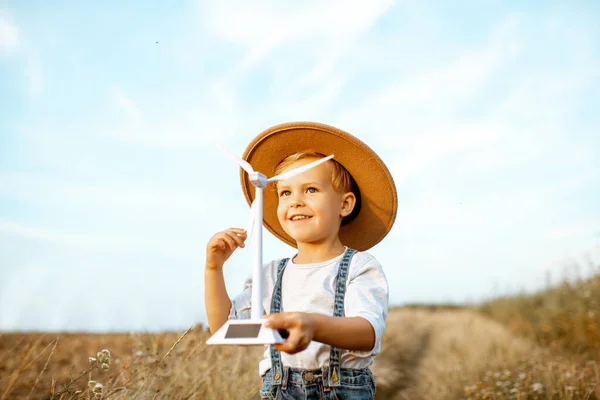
(311, 288)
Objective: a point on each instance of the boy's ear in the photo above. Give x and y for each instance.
(348, 203)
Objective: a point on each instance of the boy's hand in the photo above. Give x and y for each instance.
(222, 245)
(300, 327)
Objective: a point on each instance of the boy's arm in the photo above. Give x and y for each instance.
(216, 298)
(219, 248)
(358, 334)
(350, 333)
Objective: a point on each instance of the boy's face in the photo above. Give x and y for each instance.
(309, 209)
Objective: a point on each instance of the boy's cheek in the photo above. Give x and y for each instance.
(281, 213)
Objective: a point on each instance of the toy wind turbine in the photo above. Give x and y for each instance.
(252, 331)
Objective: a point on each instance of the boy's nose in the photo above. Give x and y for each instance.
(296, 201)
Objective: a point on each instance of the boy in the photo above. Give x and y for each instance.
(332, 296)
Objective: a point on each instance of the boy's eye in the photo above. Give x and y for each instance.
(311, 190)
(284, 193)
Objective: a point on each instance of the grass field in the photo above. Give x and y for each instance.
(539, 346)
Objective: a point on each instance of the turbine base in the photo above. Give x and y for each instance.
(245, 332)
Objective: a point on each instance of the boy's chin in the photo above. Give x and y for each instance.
(307, 239)
(299, 238)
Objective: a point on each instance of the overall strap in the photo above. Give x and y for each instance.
(333, 375)
(276, 308)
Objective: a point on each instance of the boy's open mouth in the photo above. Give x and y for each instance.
(300, 217)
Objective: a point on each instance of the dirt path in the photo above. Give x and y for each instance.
(435, 354)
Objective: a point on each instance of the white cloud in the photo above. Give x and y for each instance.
(179, 126)
(10, 40)
(119, 240)
(115, 217)
(437, 93)
(9, 33)
(106, 196)
(260, 27)
(264, 24)
(438, 142)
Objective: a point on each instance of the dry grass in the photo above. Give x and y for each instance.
(566, 317)
(565, 322)
(192, 370)
(542, 346)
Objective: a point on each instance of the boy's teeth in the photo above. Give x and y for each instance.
(299, 217)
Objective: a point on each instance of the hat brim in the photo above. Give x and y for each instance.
(377, 189)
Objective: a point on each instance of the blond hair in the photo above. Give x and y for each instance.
(341, 180)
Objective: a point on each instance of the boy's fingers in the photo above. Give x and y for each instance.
(237, 239)
(230, 241)
(286, 346)
(292, 345)
(237, 231)
(278, 321)
(282, 347)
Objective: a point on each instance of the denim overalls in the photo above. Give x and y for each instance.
(329, 382)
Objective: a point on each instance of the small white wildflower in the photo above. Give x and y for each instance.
(514, 390)
(537, 387)
(568, 374)
(139, 353)
(104, 366)
(92, 360)
(91, 384)
(98, 388)
(103, 356)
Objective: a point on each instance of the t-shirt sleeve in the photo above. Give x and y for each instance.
(367, 296)
(241, 305)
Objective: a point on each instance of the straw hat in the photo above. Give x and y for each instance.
(379, 200)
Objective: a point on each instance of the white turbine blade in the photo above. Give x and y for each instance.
(243, 163)
(299, 170)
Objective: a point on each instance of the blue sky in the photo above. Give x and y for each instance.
(110, 186)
